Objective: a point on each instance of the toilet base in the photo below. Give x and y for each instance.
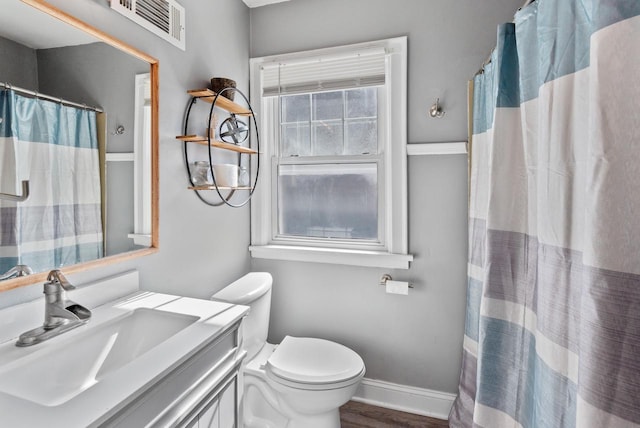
(325, 420)
(264, 407)
(257, 412)
(260, 414)
(329, 420)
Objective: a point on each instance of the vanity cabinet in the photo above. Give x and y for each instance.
(219, 412)
(236, 113)
(201, 392)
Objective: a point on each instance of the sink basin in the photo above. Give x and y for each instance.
(66, 368)
(136, 344)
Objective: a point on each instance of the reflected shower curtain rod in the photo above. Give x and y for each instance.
(488, 60)
(50, 98)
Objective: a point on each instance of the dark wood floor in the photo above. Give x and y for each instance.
(359, 415)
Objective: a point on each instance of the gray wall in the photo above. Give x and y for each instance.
(102, 76)
(414, 340)
(201, 248)
(97, 75)
(22, 69)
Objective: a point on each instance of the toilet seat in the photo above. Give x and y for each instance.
(312, 364)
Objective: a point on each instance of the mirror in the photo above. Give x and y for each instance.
(79, 123)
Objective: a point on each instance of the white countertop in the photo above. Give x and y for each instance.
(114, 391)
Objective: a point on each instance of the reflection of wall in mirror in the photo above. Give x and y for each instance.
(21, 70)
(97, 75)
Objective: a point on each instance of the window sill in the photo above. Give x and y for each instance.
(140, 239)
(332, 255)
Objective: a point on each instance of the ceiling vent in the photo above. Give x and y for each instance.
(162, 17)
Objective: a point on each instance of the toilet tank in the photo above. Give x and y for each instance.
(253, 290)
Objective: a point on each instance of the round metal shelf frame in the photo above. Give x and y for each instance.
(224, 200)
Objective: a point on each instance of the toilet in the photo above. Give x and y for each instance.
(299, 383)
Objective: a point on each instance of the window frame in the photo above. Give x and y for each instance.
(142, 161)
(392, 250)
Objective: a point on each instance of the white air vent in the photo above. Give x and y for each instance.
(162, 17)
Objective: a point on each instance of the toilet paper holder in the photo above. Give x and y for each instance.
(386, 277)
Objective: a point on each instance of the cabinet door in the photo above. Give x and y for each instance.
(228, 406)
(192, 424)
(209, 418)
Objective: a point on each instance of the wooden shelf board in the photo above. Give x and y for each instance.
(208, 95)
(218, 144)
(219, 187)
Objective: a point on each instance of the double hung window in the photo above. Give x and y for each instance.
(328, 163)
(334, 126)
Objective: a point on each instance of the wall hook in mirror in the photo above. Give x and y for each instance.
(119, 130)
(436, 110)
(17, 198)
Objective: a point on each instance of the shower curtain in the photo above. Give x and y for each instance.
(552, 335)
(54, 147)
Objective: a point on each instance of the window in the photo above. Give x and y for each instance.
(333, 129)
(328, 165)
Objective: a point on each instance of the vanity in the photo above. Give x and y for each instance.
(143, 360)
(131, 358)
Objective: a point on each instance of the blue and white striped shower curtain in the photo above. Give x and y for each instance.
(55, 147)
(552, 336)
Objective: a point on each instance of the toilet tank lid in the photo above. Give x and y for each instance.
(246, 289)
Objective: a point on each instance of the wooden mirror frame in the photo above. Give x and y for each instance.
(47, 8)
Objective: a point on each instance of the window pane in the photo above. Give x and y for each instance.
(296, 140)
(295, 108)
(327, 138)
(361, 137)
(327, 105)
(328, 201)
(362, 102)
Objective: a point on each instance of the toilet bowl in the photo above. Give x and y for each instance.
(300, 383)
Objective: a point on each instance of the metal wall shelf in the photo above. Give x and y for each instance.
(217, 100)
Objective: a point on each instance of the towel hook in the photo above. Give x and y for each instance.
(18, 198)
(119, 130)
(436, 110)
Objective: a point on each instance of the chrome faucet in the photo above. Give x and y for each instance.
(60, 313)
(58, 309)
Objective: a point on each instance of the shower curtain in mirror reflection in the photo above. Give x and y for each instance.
(552, 335)
(55, 147)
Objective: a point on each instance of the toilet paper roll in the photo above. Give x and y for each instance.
(397, 287)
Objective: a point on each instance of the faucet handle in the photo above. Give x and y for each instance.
(56, 277)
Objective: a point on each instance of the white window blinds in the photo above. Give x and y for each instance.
(348, 70)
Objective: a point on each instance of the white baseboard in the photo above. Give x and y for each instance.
(420, 401)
